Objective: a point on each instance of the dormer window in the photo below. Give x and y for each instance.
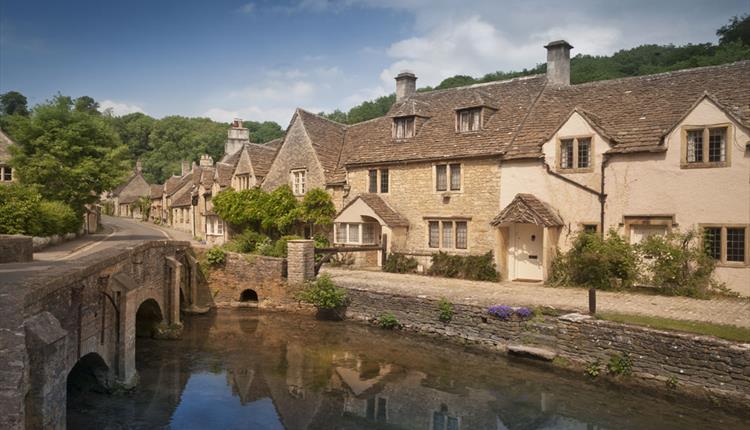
(469, 119)
(403, 127)
(705, 146)
(574, 154)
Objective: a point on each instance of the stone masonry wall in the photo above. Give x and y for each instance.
(15, 248)
(701, 366)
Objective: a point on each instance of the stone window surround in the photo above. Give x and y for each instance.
(667, 220)
(706, 164)
(582, 226)
(457, 120)
(379, 180)
(448, 177)
(723, 261)
(441, 220)
(337, 225)
(302, 183)
(575, 138)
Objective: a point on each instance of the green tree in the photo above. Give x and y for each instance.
(87, 104)
(13, 103)
(134, 130)
(280, 211)
(19, 210)
(262, 132)
(242, 209)
(317, 208)
(73, 156)
(738, 29)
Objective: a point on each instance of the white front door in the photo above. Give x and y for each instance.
(526, 252)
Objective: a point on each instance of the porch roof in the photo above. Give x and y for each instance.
(390, 217)
(528, 209)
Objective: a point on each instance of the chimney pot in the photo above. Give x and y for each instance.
(406, 85)
(558, 62)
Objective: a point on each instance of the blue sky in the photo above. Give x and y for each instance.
(260, 59)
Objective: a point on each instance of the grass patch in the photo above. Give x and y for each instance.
(728, 332)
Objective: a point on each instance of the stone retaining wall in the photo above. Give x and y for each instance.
(700, 366)
(15, 248)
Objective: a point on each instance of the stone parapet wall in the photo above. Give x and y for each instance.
(700, 366)
(15, 248)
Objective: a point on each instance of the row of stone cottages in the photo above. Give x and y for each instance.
(515, 167)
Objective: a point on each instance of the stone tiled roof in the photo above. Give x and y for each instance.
(636, 113)
(327, 138)
(5, 143)
(528, 209)
(224, 174)
(261, 156)
(174, 183)
(157, 190)
(207, 177)
(183, 198)
(382, 209)
(275, 144)
(508, 103)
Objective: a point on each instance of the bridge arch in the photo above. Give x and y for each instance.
(90, 375)
(249, 295)
(148, 316)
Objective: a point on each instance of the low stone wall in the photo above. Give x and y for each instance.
(700, 366)
(266, 276)
(15, 248)
(40, 243)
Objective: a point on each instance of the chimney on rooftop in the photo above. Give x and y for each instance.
(185, 167)
(406, 85)
(558, 62)
(206, 160)
(237, 136)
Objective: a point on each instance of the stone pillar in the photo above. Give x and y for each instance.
(300, 261)
(173, 313)
(16, 248)
(46, 342)
(124, 288)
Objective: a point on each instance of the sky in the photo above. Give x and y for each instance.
(259, 60)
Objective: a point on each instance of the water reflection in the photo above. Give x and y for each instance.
(249, 370)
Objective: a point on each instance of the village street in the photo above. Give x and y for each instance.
(719, 311)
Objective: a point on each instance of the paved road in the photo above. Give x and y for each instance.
(119, 233)
(721, 311)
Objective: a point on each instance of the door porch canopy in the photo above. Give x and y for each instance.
(528, 209)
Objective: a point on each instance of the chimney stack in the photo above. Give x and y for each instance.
(406, 85)
(206, 160)
(558, 62)
(138, 166)
(237, 136)
(185, 167)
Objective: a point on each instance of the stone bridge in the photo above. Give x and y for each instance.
(86, 312)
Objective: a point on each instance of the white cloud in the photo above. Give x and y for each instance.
(247, 8)
(119, 109)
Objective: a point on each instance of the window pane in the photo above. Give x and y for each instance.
(341, 233)
(384, 180)
(373, 181)
(7, 173)
(353, 233)
(589, 228)
(434, 241)
(566, 154)
(452, 423)
(695, 146)
(381, 409)
(409, 132)
(455, 177)
(476, 118)
(368, 233)
(461, 234)
(736, 244)
(441, 177)
(447, 234)
(463, 122)
(584, 153)
(399, 128)
(438, 421)
(712, 241)
(370, 409)
(717, 138)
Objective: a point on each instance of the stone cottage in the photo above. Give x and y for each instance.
(6, 171)
(126, 195)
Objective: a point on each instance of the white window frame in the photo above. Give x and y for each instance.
(345, 226)
(214, 226)
(3, 170)
(298, 178)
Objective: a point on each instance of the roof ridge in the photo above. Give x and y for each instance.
(481, 84)
(321, 117)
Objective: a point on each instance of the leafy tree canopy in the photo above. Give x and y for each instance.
(262, 132)
(72, 155)
(87, 104)
(317, 208)
(738, 30)
(13, 103)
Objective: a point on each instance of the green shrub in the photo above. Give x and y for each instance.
(676, 264)
(475, 267)
(19, 210)
(216, 256)
(596, 262)
(58, 218)
(446, 310)
(323, 294)
(274, 249)
(620, 365)
(594, 368)
(388, 321)
(247, 241)
(399, 263)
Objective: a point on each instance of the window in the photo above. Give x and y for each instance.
(373, 180)
(298, 181)
(705, 147)
(403, 127)
(727, 244)
(448, 175)
(377, 409)
(214, 226)
(447, 234)
(590, 228)
(373, 174)
(353, 232)
(7, 173)
(575, 154)
(469, 119)
(443, 421)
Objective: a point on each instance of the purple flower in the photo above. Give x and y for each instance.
(503, 312)
(524, 312)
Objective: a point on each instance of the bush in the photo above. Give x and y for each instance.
(597, 262)
(475, 267)
(274, 249)
(247, 241)
(620, 365)
(676, 264)
(323, 294)
(58, 218)
(216, 256)
(446, 310)
(19, 210)
(388, 321)
(400, 263)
